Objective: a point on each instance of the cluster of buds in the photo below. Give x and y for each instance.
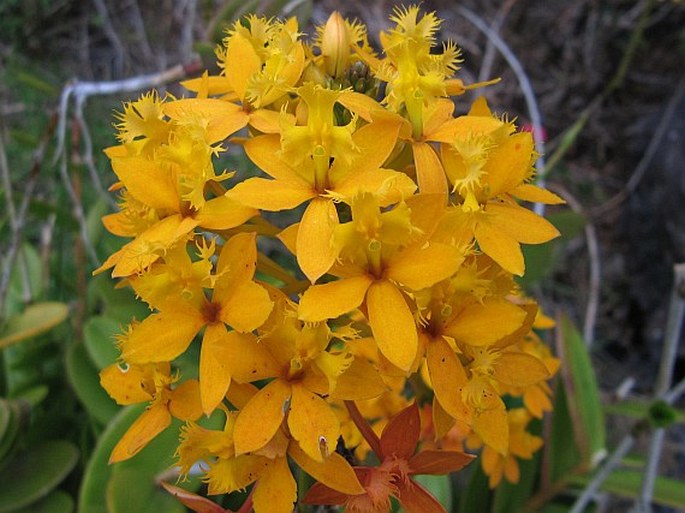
(400, 331)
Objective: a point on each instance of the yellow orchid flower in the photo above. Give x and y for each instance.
(236, 301)
(133, 384)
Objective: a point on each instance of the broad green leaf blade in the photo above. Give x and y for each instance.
(56, 502)
(582, 392)
(667, 492)
(15, 420)
(36, 319)
(98, 335)
(97, 473)
(31, 475)
(85, 381)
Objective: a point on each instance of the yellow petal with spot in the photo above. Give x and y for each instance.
(124, 384)
(421, 267)
(276, 491)
(223, 213)
(313, 424)
(247, 308)
(247, 358)
(333, 299)
(392, 324)
(185, 403)
(447, 378)
(519, 369)
(315, 249)
(261, 417)
(240, 50)
(162, 336)
(482, 324)
(521, 224)
(148, 182)
(146, 427)
(429, 172)
(271, 195)
(500, 246)
(237, 263)
(215, 374)
(334, 471)
(535, 194)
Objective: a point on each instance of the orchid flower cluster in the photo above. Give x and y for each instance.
(403, 330)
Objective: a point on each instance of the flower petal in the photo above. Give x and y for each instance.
(492, 427)
(223, 213)
(259, 420)
(247, 308)
(215, 375)
(482, 324)
(421, 267)
(240, 49)
(313, 424)
(415, 499)
(315, 249)
(147, 182)
(334, 471)
(401, 434)
(276, 491)
(392, 324)
(509, 163)
(447, 377)
(535, 194)
(263, 150)
(500, 246)
(248, 359)
(519, 369)
(522, 224)
(222, 118)
(162, 336)
(360, 381)
(146, 427)
(330, 300)
(271, 195)
(185, 403)
(439, 462)
(429, 172)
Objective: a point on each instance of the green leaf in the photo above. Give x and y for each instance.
(36, 319)
(29, 260)
(625, 483)
(580, 385)
(31, 475)
(477, 495)
(56, 502)
(85, 381)
(33, 395)
(563, 453)
(15, 418)
(98, 335)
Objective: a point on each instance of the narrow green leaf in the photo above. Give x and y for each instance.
(85, 381)
(625, 483)
(477, 495)
(15, 421)
(31, 475)
(582, 392)
(36, 319)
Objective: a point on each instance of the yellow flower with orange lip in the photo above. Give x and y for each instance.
(236, 301)
(320, 161)
(381, 253)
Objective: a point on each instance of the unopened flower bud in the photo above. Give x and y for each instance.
(335, 45)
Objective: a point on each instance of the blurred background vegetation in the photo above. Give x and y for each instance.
(607, 78)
